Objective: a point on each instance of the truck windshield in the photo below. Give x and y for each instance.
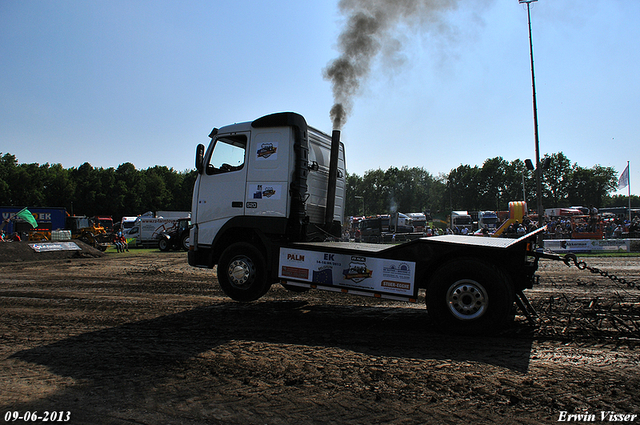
(462, 220)
(228, 154)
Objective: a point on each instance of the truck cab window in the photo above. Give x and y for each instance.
(228, 154)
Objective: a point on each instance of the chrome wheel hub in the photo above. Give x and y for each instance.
(467, 299)
(240, 272)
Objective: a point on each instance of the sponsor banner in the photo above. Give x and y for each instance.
(54, 246)
(588, 245)
(349, 271)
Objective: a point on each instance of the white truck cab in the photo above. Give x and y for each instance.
(264, 180)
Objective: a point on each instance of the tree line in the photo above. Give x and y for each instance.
(125, 190)
(90, 191)
(488, 187)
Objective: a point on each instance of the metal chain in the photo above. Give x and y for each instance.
(581, 265)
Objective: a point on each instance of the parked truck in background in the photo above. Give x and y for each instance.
(105, 222)
(371, 230)
(147, 231)
(125, 223)
(170, 214)
(562, 212)
(400, 223)
(268, 199)
(488, 220)
(418, 221)
(461, 220)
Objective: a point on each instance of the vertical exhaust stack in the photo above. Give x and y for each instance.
(333, 178)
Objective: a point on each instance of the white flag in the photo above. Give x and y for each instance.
(624, 179)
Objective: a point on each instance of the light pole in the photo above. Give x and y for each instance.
(535, 120)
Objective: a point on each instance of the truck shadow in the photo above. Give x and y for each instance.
(380, 331)
(149, 350)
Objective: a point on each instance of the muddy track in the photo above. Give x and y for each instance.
(147, 339)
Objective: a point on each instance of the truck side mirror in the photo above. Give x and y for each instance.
(200, 158)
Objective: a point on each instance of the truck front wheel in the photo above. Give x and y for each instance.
(242, 272)
(469, 296)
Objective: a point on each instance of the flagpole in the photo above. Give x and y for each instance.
(629, 189)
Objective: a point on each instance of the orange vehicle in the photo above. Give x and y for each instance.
(586, 227)
(89, 232)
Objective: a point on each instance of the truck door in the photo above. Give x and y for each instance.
(268, 173)
(221, 190)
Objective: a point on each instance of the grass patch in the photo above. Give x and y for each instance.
(609, 254)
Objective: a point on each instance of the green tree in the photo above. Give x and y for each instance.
(492, 184)
(59, 189)
(354, 187)
(556, 181)
(8, 165)
(396, 189)
(375, 193)
(155, 194)
(127, 183)
(621, 201)
(464, 187)
(589, 186)
(185, 191)
(87, 187)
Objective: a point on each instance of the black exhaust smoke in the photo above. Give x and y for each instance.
(333, 178)
(377, 28)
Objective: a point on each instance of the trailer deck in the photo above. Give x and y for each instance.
(450, 240)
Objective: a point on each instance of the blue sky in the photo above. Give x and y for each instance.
(108, 82)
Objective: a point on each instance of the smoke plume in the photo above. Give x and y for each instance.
(369, 30)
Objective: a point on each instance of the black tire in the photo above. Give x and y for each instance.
(470, 297)
(164, 245)
(184, 242)
(242, 272)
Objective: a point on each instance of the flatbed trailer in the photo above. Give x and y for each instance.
(399, 271)
(471, 282)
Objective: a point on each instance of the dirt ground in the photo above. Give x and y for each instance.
(139, 338)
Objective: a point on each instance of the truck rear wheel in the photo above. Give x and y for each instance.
(242, 272)
(469, 296)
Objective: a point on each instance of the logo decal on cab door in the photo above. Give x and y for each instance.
(266, 150)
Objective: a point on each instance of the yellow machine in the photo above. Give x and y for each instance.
(89, 232)
(517, 211)
(38, 235)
